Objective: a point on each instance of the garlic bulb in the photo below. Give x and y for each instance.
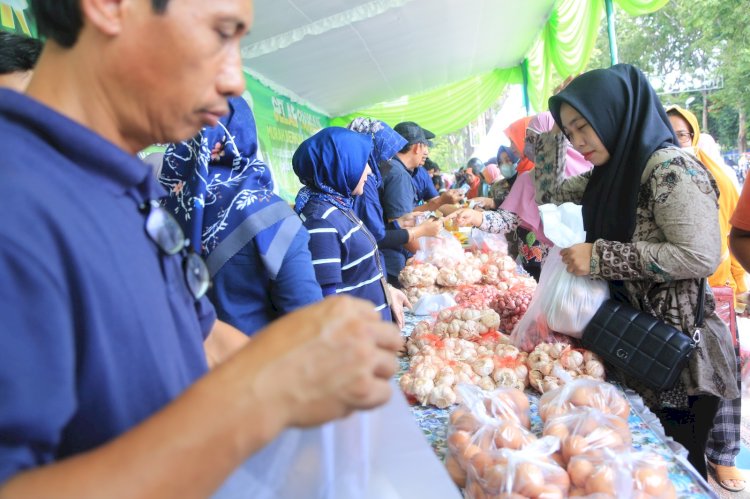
(406, 383)
(505, 376)
(486, 383)
(594, 368)
(422, 388)
(537, 359)
(442, 396)
(483, 366)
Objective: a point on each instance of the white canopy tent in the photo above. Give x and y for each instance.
(337, 56)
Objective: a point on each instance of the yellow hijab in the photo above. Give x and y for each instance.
(729, 272)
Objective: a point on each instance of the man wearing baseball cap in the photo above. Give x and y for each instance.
(398, 193)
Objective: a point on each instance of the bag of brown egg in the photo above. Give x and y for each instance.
(584, 393)
(588, 431)
(485, 422)
(528, 472)
(639, 475)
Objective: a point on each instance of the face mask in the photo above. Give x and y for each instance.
(508, 170)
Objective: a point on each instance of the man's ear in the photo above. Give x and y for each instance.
(104, 15)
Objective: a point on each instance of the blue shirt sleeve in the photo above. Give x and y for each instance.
(38, 394)
(423, 183)
(398, 194)
(295, 285)
(368, 209)
(325, 248)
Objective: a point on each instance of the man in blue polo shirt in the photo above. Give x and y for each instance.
(107, 338)
(398, 192)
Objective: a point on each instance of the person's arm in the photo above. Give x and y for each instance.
(283, 378)
(295, 284)
(451, 196)
(686, 213)
(495, 222)
(223, 342)
(739, 243)
(551, 185)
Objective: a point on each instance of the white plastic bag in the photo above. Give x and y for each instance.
(432, 304)
(378, 454)
(562, 302)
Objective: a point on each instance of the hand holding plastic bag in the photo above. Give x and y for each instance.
(563, 302)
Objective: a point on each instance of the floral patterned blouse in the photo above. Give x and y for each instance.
(676, 242)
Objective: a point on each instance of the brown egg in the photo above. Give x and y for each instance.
(480, 462)
(583, 396)
(650, 481)
(457, 414)
(573, 446)
(550, 492)
(458, 441)
(495, 477)
(558, 459)
(529, 480)
(586, 424)
(520, 399)
(556, 429)
(577, 492)
(474, 490)
(457, 474)
(470, 451)
(465, 422)
(559, 478)
(509, 436)
(602, 481)
(621, 408)
(580, 469)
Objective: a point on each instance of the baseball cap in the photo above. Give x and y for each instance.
(413, 133)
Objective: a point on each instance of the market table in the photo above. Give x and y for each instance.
(645, 428)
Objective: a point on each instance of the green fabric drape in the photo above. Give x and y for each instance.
(446, 109)
(563, 48)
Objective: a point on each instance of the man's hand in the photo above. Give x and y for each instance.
(399, 302)
(323, 362)
(577, 258)
(466, 217)
(428, 228)
(407, 220)
(451, 196)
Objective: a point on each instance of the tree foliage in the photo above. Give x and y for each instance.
(696, 38)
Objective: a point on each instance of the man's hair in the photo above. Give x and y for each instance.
(18, 52)
(430, 165)
(62, 20)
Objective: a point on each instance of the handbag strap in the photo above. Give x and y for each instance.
(699, 312)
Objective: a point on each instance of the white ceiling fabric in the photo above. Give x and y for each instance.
(337, 56)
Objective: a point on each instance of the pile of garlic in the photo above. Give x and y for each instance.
(552, 364)
(462, 346)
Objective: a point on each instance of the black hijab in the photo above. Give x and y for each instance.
(624, 111)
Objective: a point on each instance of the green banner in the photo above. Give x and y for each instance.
(282, 126)
(15, 16)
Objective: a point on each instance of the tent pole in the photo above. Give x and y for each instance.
(611, 32)
(525, 75)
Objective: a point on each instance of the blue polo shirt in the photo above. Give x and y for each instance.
(99, 329)
(397, 192)
(425, 189)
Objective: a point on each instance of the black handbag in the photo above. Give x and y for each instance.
(640, 345)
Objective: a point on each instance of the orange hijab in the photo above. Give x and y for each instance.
(516, 132)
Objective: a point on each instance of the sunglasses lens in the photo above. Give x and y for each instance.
(196, 274)
(164, 230)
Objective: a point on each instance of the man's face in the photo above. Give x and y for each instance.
(425, 152)
(177, 69)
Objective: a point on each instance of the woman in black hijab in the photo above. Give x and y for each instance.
(651, 219)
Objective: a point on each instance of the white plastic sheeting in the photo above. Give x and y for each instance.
(337, 56)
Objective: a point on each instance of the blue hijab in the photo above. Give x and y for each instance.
(329, 165)
(222, 194)
(507, 150)
(386, 142)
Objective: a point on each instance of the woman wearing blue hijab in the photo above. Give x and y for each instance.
(333, 167)
(254, 245)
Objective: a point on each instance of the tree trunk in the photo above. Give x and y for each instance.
(742, 133)
(704, 126)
